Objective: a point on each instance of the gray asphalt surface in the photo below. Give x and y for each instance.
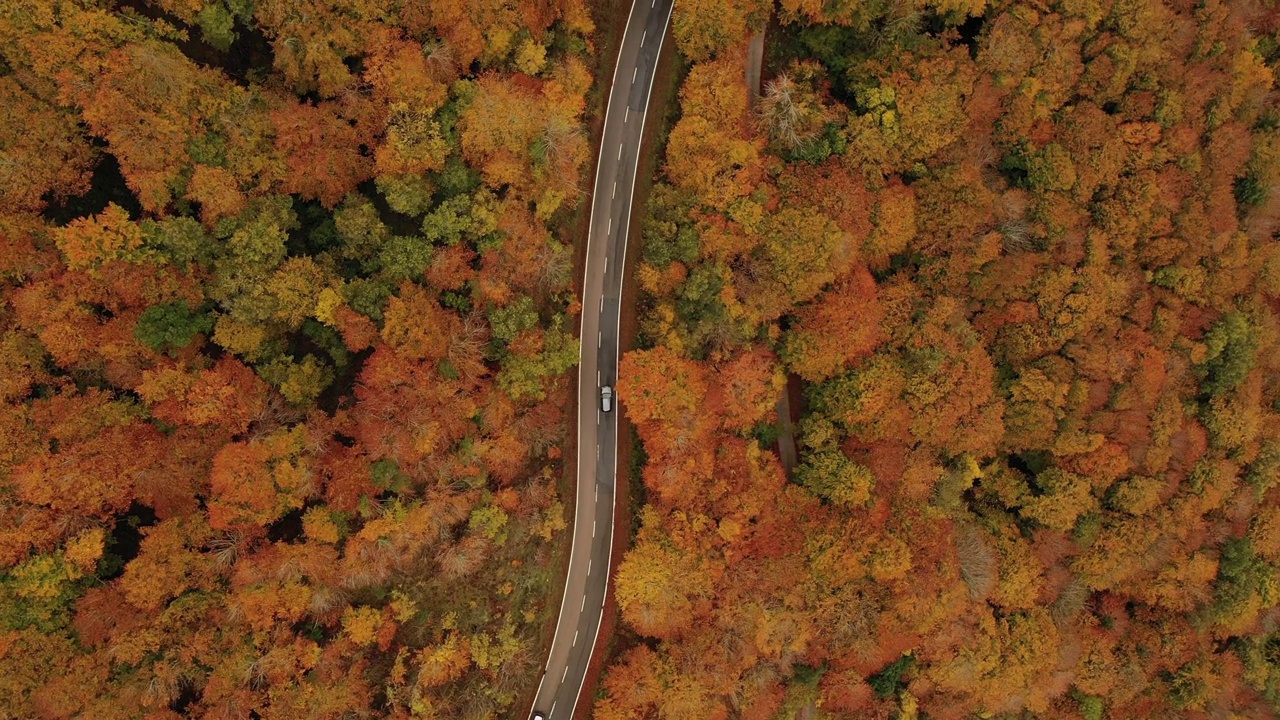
(588, 576)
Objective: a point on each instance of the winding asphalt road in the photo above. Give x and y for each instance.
(588, 578)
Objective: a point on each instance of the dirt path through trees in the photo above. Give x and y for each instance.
(784, 424)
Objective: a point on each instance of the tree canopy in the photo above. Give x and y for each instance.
(284, 349)
(1018, 263)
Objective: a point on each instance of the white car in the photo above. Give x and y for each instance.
(538, 716)
(606, 398)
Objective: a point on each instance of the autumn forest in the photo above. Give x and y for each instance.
(952, 384)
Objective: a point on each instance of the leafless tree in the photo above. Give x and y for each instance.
(1070, 601)
(467, 343)
(227, 547)
(977, 564)
(164, 686)
(559, 136)
(325, 600)
(556, 265)
(255, 674)
(1017, 238)
(901, 21)
(440, 59)
(463, 558)
(781, 111)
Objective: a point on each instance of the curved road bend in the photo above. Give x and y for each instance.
(588, 577)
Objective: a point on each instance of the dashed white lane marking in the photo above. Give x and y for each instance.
(634, 72)
(589, 567)
(619, 151)
(584, 604)
(575, 641)
(599, 339)
(597, 460)
(564, 674)
(626, 113)
(615, 189)
(601, 304)
(609, 228)
(552, 711)
(593, 522)
(597, 487)
(643, 35)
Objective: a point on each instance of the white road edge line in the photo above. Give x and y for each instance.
(543, 681)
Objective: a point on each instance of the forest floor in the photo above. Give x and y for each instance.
(755, 60)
